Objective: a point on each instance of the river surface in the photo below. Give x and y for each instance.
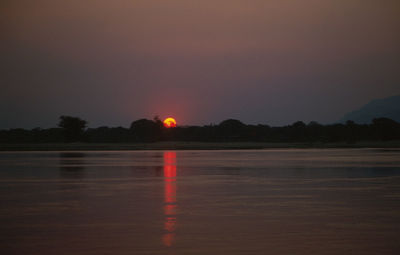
(287, 201)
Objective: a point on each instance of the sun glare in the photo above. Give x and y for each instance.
(169, 122)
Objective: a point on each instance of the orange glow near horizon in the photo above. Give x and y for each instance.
(169, 122)
(170, 205)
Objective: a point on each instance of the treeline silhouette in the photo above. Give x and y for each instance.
(73, 129)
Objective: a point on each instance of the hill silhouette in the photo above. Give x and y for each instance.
(380, 108)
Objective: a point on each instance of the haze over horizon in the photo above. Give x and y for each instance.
(268, 62)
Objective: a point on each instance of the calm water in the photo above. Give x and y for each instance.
(201, 202)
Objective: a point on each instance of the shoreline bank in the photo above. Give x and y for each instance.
(190, 146)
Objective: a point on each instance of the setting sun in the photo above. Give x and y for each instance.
(169, 122)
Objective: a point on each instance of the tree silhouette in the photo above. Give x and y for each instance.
(385, 129)
(231, 129)
(145, 130)
(73, 128)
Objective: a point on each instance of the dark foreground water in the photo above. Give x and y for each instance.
(200, 202)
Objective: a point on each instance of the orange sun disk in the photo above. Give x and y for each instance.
(169, 122)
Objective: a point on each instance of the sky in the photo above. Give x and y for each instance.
(200, 61)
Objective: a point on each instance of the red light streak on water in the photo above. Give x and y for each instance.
(170, 205)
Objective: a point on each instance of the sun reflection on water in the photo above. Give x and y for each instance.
(170, 205)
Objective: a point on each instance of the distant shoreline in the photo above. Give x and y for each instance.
(190, 146)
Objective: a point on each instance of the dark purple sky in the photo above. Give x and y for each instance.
(260, 61)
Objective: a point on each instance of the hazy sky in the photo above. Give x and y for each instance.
(260, 61)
